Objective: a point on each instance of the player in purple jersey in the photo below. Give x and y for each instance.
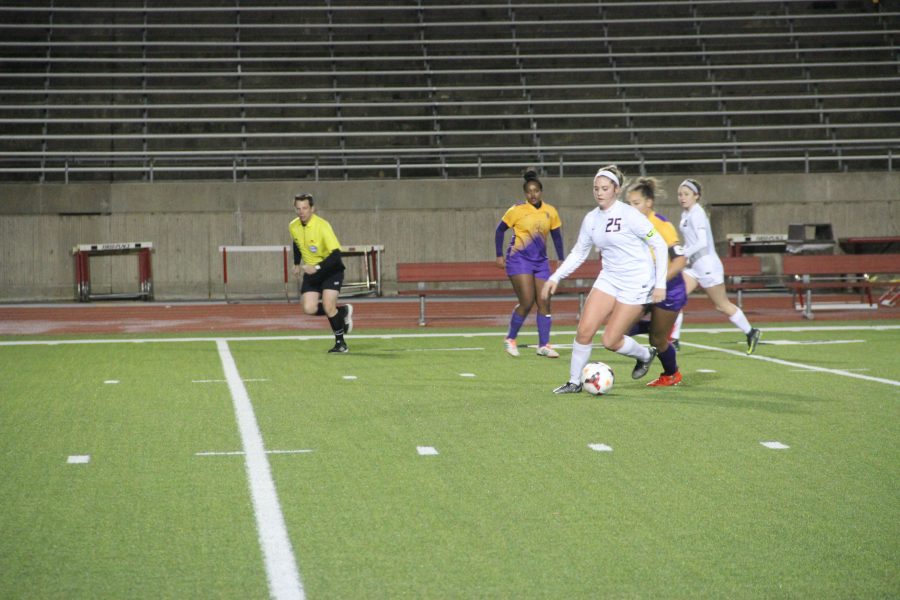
(526, 261)
(642, 195)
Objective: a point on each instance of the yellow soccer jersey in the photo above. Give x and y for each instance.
(665, 229)
(531, 227)
(315, 240)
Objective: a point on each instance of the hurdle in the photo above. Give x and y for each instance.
(82, 254)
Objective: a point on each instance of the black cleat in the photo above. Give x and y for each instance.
(348, 318)
(752, 340)
(641, 368)
(568, 388)
(339, 348)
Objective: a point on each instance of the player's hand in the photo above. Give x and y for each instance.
(659, 294)
(296, 270)
(501, 262)
(548, 290)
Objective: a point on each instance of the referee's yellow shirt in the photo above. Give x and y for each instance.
(316, 239)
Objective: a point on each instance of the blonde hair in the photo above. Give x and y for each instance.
(613, 173)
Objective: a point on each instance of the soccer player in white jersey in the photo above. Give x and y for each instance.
(704, 265)
(631, 276)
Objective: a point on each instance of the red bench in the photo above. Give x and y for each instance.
(469, 273)
(743, 273)
(838, 272)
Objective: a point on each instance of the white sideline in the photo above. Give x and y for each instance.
(281, 565)
(797, 365)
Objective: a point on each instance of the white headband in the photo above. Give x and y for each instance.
(690, 185)
(609, 175)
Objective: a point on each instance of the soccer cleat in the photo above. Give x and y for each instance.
(511, 347)
(568, 388)
(666, 380)
(675, 344)
(642, 366)
(339, 348)
(348, 318)
(547, 351)
(752, 340)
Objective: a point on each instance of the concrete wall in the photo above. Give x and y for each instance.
(416, 220)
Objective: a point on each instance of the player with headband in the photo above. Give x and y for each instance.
(631, 276)
(704, 265)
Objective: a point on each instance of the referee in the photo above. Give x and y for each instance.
(323, 269)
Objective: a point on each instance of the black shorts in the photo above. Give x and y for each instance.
(319, 282)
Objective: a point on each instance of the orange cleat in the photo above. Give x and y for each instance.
(666, 380)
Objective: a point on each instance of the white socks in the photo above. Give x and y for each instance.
(581, 354)
(634, 350)
(740, 321)
(676, 329)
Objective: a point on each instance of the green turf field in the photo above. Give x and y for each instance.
(513, 502)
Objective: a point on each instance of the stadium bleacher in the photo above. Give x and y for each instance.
(119, 91)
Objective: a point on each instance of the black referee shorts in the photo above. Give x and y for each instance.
(319, 282)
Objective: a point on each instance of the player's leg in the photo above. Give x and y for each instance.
(662, 321)
(719, 297)
(544, 318)
(310, 302)
(523, 285)
(597, 308)
(331, 289)
(614, 338)
(690, 284)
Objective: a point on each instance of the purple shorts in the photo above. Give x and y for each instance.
(516, 265)
(676, 298)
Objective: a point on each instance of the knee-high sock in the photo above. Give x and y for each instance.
(642, 326)
(676, 329)
(515, 324)
(337, 326)
(581, 354)
(669, 360)
(740, 321)
(633, 349)
(544, 322)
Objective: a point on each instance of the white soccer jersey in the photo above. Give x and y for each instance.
(697, 234)
(624, 237)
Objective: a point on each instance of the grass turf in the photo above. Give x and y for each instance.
(688, 503)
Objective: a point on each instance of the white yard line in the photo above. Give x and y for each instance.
(281, 565)
(796, 365)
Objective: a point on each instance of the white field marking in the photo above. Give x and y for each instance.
(278, 555)
(494, 334)
(111, 381)
(812, 371)
(349, 377)
(796, 365)
(426, 450)
(79, 459)
(803, 343)
(440, 349)
(221, 380)
(467, 374)
(600, 447)
(241, 453)
(706, 371)
(775, 445)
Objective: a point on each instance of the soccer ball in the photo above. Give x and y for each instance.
(597, 378)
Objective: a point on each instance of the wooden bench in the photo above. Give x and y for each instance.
(840, 271)
(469, 273)
(743, 273)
